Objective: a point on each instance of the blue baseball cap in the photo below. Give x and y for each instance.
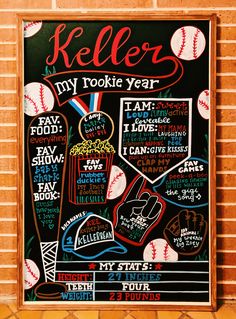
(90, 237)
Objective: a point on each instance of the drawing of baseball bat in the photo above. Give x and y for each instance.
(47, 155)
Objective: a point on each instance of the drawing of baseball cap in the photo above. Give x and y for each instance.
(90, 237)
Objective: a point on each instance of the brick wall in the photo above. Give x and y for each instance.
(226, 122)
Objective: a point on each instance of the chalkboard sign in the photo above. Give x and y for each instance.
(117, 161)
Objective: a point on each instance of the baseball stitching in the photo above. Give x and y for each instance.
(30, 24)
(183, 42)
(27, 97)
(115, 179)
(195, 39)
(154, 251)
(41, 95)
(30, 271)
(206, 92)
(28, 283)
(166, 252)
(203, 104)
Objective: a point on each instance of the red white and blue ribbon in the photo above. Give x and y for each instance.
(82, 108)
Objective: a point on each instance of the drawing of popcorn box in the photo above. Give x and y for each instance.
(89, 170)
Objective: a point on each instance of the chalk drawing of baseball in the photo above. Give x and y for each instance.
(203, 104)
(117, 182)
(38, 98)
(31, 28)
(188, 43)
(159, 250)
(31, 273)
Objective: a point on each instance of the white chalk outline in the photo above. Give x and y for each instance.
(189, 133)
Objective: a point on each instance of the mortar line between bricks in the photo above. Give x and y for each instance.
(54, 4)
(154, 3)
(150, 9)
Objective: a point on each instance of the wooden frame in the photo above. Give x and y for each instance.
(37, 151)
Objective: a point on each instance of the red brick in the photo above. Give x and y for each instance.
(226, 98)
(8, 99)
(226, 196)
(226, 259)
(8, 273)
(9, 290)
(8, 17)
(8, 83)
(8, 180)
(195, 3)
(8, 164)
(104, 4)
(7, 50)
(8, 34)
(226, 33)
(226, 227)
(226, 243)
(226, 148)
(8, 227)
(8, 258)
(226, 82)
(8, 132)
(226, 180)
(8, 116)
(25, 4)
(226, 115)
(225, 66)
(225, 164)
(8, 67)
(9, 211)
(228, 290)
(9, 148)
(226, 49)
(226, 16)
(8, 196)
(226, 132)
(224, 211)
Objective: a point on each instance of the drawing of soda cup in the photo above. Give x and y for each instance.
(46, 151)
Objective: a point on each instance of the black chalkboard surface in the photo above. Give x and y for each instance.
(117, 156)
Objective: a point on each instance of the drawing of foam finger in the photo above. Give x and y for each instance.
(203, 104)
(188, 43)
(38, 98)
(117, 182)
(31, 273)
(31, 28)
(141, 209)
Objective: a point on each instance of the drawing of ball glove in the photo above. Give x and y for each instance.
(186, 232)
(138, 213)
